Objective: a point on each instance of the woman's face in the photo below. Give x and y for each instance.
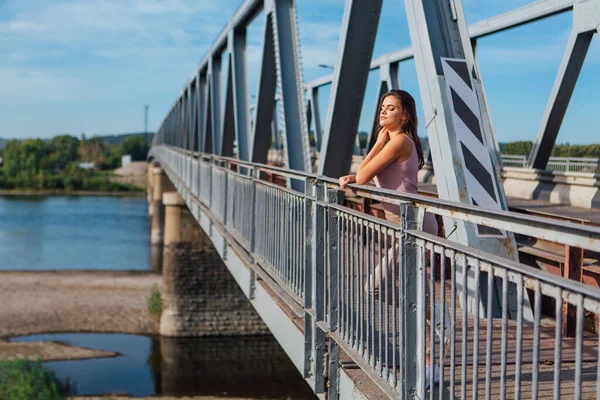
(391, 113)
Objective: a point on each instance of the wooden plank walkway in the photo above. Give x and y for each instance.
(546, 358)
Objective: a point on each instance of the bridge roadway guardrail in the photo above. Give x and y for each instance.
(559, 164)
(326, 256)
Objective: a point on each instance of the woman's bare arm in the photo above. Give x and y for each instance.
(398, 148)
(382, 136)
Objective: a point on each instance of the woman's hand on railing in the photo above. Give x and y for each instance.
(346, 180)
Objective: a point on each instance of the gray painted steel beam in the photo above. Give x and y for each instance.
(388, 80)
(289, 82)
(531, 12)
(522, 15)
(214, 67)
(193, 116)
(207, 140)
(201, 108)
(586, 20)
(181, 120)
(189, 117)
(265, 98)
(357, 39)
(460, 148)
(240, 92)
(240, 19)
(314, 113)
(228, 126)
(275, 129)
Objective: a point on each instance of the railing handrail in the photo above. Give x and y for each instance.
(573, 234)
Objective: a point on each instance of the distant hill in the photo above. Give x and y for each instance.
(118, 139)
(110, 139)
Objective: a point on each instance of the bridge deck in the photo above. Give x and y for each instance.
(546, 356)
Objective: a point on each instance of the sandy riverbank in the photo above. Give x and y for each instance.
(72, 301)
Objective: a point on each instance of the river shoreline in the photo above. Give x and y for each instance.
(139, 193)
(39, 302)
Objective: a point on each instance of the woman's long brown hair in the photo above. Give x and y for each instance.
(410, 125)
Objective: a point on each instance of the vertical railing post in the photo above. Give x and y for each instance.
(255, 175)
(210, 183)
(309, 322)
(412, 267)
(314, 283)
(224, 193)
(333, 293)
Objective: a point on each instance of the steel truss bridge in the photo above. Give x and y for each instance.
(304, 256)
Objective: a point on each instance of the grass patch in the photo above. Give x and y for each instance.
(29, 380)
(154, 303)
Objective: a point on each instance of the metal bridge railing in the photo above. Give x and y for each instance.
(373, 287)
(559, 164)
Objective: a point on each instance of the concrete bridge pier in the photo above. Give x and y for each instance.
(149, 184)
(160, 185)
(200, 297)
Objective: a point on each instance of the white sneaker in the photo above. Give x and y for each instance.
(436, 375)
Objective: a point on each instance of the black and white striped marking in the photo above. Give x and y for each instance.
(482, 189)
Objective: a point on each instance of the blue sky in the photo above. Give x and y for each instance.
(73, 66)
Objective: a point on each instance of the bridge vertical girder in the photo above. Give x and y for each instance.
(208, 131)
(357, 39)
(290, 83)
(265, 98)
(388, 80)
(313, 112)
(200, 107)
(228, 125)
(237, 49)
(214, 68)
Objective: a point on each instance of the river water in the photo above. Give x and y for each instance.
(253, 367)
(74, 233)
(113, 233)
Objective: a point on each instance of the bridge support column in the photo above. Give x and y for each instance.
(200, 297)
(160, 184)
(149, 183)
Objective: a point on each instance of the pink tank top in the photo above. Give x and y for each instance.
(400, 176)
(403, 177)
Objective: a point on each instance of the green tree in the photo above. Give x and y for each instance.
(136, 146)
(520, 148)
(61, 151)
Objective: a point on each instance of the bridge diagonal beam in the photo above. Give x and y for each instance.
(228, 125)
(214, 68)
(289, 81)
(181, 121)
(237, 49)
(191, 115)
(194, 115)
(357, 39)
(265, 98)
(388, 79)
(207, 142)
(586, 20)
(201, 107)
(314, 113)
(562, 90)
